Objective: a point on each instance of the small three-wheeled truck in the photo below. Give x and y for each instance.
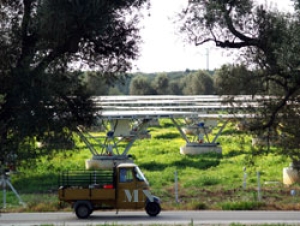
(122, 187)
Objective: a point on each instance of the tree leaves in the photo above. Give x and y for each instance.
(269, 43)
(40, 42)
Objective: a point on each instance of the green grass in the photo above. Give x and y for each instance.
(205, 181)
(241, 205)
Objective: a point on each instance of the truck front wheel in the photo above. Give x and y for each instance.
(82, 211)
(153, 209)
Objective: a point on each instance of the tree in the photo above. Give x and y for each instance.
(114, 91)
(268, 40)
(161, 83)
(174, 88)
(236, 80)
(40, 42)
(98, 83)
(140, 85)
(198, 83)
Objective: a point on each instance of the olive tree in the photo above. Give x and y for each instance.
(268, 41)
(161, 84)
(43, 43)
(236, 80)
(198, 83)
(140, 85)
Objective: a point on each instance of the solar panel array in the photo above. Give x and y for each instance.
(203, 106)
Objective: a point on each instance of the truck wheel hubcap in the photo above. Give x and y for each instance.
(83, 211)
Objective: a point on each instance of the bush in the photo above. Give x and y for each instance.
(200, 206)
(244, 205)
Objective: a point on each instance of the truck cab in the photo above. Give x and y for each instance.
(123, 187)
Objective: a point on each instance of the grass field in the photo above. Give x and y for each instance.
(208, 181)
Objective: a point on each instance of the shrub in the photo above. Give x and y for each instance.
(243, 205)
(200, 206)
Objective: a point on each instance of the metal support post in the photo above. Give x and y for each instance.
(258, 187)
(176, 187)
(4, 182)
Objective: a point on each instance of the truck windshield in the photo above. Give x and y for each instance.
(139, 175)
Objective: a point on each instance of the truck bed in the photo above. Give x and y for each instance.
(86, 179)
(86, 185)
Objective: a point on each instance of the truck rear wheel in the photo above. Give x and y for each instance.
(83, 211)
(153, 209)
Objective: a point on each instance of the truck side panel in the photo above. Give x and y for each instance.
(94, 194)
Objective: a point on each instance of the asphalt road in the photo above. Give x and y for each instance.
(141, 218)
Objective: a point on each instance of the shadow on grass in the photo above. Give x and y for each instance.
(205, 161)
(166, 124)
(233, 132)
(169, 135)
(234, 153)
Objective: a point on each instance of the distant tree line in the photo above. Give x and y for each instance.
(227, 80)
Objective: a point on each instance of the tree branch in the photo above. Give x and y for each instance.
(233, 45)
(27, 40)
(198, 43)
(245, 40)
(47, 60)
(281, 104)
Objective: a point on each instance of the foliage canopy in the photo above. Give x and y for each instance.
(268, 41)
(42, 44)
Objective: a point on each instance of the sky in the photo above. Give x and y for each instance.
(164, 51)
